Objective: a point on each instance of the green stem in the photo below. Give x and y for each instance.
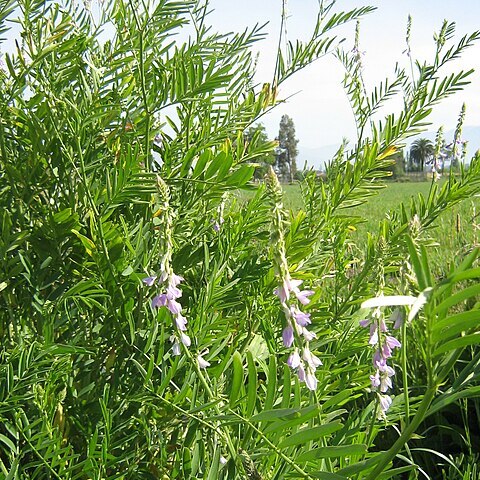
(323, 441)
(224, 434)
(273, 446)
(143, 86)
(372, 423)
(279, 48)
(404, 371)
(390, 454)
(206, 385)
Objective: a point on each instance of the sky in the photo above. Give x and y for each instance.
(316, 100)
(319, 108)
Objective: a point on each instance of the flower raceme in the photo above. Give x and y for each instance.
(166, 279)
(295, 332)
(169, 298)
(384, 343)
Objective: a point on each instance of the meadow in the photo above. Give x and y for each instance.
(454, 233)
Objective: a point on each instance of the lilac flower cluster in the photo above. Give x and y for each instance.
(384, 345)
(166, 279)
(169, 298)
(295, 332)
(301, 359)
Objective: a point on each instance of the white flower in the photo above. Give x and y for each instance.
(176, 349)
(185, 339)
(311, 379)
(294, 359)
(385, 402)
(202, 363)
(311, 359)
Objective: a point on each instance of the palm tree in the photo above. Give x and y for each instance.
(420, 151)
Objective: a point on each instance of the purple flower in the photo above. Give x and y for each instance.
(174, 306)
(167, 299)
(173, 292)
(163, 300)
(392, 342)
(378, 360)
(217, 224)
(296, 323)
(365, 323)
(302, 319)
(383, 326)
(385, 381)
(389, 345)
(301, 372)
(375, 379)
(282, 293)
(159, 300)
(303, 295)
(291, 285)
(149, 281)
(175, 279)
(373, 334)
(287, 335)
(387, 369)
(382, 378)
(384, 344)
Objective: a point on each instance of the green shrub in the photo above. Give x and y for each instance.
(141, 336)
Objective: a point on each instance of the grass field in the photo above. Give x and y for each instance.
(455, 231)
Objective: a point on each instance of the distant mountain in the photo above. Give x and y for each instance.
(317, 156)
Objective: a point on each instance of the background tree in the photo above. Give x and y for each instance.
(420, 152)
(287, 148)
(260, 148)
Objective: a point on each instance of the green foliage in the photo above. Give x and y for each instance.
(398, 168)
(119, 156)
(256, 137)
